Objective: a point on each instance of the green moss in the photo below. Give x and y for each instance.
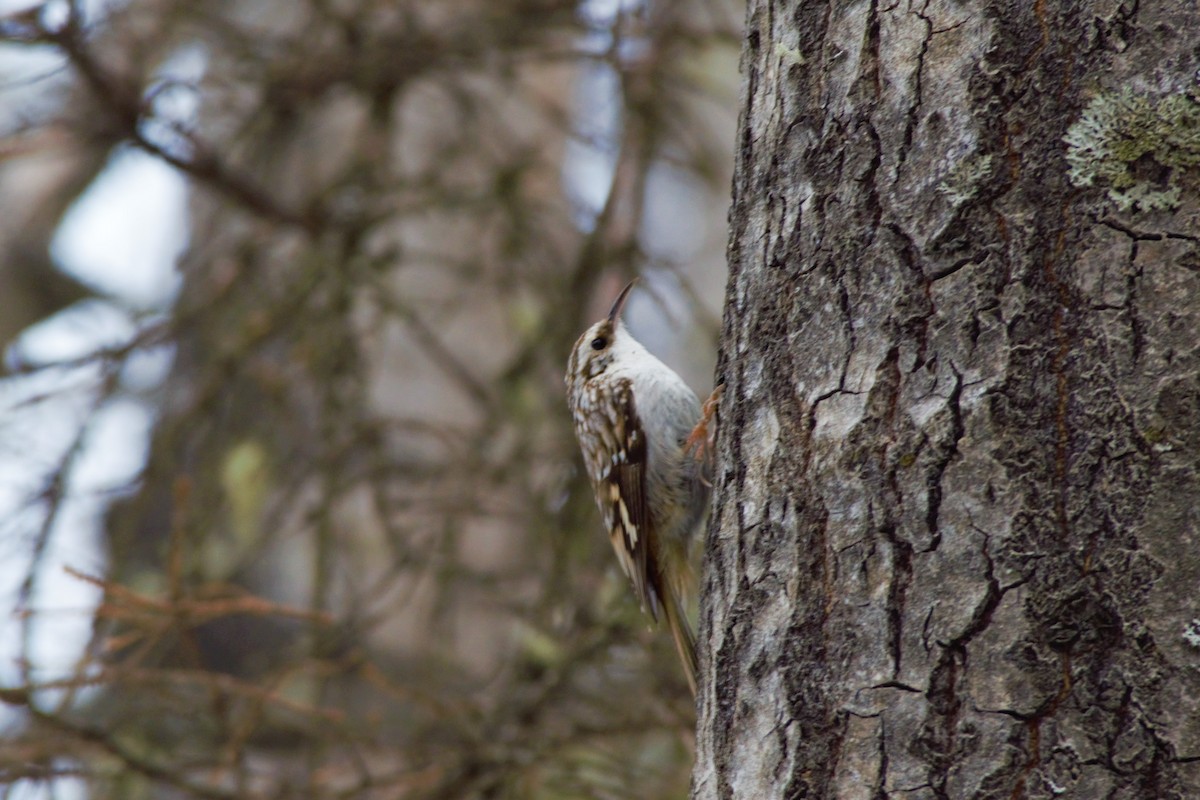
(1123, 136)
(789, 54)
(962, 182)
(1154, 434)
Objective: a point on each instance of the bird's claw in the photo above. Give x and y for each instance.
(702, 440)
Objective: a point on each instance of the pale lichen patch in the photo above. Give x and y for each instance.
(1136, 145)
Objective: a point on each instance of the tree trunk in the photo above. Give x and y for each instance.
(953, 551)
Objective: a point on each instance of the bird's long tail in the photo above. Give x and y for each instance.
(685, 641)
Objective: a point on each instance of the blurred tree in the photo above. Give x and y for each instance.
(361, 561)
(954, 545)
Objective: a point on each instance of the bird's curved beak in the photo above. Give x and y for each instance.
(619, 304)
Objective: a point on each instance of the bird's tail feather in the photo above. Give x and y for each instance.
(685, 641)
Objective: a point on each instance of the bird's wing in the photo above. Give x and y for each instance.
(622, 493)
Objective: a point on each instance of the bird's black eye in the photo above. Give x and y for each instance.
(599, 343)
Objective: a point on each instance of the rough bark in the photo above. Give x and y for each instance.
(953, 546)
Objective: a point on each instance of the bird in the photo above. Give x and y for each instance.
(638, 424)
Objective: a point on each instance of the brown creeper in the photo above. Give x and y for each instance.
(633, 416)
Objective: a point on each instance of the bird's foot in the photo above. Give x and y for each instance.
(702, 440)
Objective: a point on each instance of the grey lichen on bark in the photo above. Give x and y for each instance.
(953, 549)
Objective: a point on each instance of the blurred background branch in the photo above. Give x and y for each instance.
(290, 502)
